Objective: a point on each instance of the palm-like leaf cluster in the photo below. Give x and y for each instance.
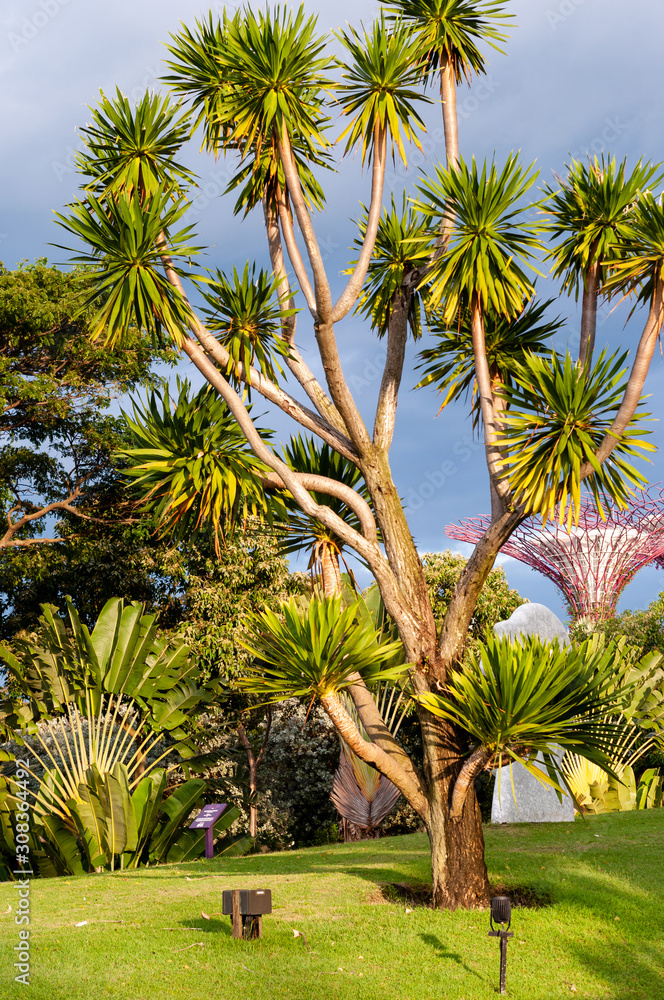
(277, 75)
(317, 651)
(261, 178)
(379, 89)
(192, 464)
(490, 241)
(248, 77)
(246, 317)
(558, 414)
(591, 214)
(198, 75)
(133, 149)
(452, 30)
(641, 271)
(450, 364)
(127, 240)
(518, 699)
(400, 248)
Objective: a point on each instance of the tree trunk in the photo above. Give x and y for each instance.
(450, 120)
(458, 868)
(253, 761)
(589, 313)
(330, 572)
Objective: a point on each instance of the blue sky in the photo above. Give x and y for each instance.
(578, 76)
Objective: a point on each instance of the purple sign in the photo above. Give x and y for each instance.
(208, 816)
(205, 820)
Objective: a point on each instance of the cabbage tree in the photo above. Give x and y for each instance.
(265, 89)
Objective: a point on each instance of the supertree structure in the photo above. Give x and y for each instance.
(593, 561)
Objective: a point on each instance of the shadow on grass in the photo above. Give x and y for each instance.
(211, 926)
(444, 952)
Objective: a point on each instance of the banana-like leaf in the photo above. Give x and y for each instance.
(63, 844)
(176, 809)
(122, 655)
(191, 843)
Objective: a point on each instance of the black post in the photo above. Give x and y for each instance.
(503, 959)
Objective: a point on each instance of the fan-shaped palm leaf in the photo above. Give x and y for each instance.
(380, 87)
(362, 796)
(69, 665)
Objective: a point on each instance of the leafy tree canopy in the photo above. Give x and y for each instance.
(55, 386)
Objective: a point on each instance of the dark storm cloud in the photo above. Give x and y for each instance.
(578, 77)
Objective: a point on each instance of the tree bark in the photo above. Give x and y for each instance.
(589, 314)
(329, 571)
(458, 868)
(448, 99)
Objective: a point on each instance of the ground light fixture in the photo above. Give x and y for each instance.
(246, 907)
(501, 913)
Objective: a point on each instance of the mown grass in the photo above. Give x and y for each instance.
(602, 937)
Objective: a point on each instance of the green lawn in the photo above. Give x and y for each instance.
(603, 936)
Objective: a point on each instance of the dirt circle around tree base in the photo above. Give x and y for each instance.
(420, 894)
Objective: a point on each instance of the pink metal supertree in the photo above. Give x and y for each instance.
(593, 562)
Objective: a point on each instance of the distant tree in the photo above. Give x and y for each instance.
(497, 600)
(55, 385)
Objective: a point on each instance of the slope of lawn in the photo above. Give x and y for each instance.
(145, 936)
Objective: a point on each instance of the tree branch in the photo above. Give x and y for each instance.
(286, 220)
(589, 313)
(373, 754)
(637, 378)
(348, 297)
(473, 766)
(500, 490)
(294, 360)
(321, 285)
(380, 735)
(294, 482)
(325, 338)
(290, 406)
(397, 336)
(8, 540)
(469, 585)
